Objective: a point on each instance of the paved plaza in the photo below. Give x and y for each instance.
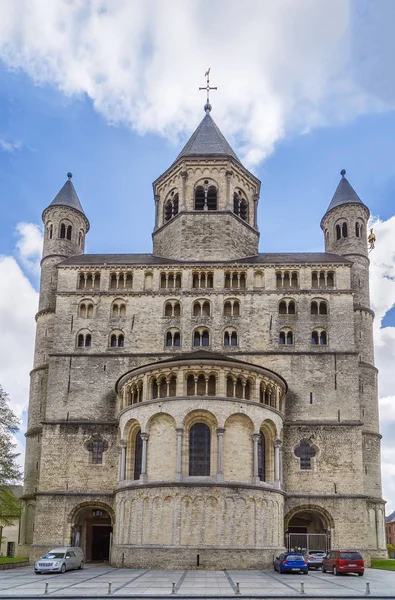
(93, 582)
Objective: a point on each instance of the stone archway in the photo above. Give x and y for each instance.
(308, 527)
(91, 529)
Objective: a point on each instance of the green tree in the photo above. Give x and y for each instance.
(9, 469)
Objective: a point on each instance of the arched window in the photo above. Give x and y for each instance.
(323, 310)
(50, 231)
(84, 340)
(201, 337)
(171, 207)
(62, 231)
(172, 308)
(86, 310)
(68, 232)
(358, 229)
(262, 457)
(80, 238)
(240, 206)
(138, 454)
(338, 232)
(287, 307)
(286, 337)
(315, 338)
(199, 198)
(212, 198)
(323, 338)
(117, 340)
(344, 230)
(173, 339)
(230, 338)
(314, 308)
(199, 450)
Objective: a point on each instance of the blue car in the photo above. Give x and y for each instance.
(291, 562)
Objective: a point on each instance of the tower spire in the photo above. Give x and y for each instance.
(207, 106)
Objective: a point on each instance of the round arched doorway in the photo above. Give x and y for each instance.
(92, 531)
(308, 529)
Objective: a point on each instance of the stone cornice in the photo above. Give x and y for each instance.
(323, 423)
(93, 493)
(79, 422)
(197, 485)
(364, 308)
(45, 311)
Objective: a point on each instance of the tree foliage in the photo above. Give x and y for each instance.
(9, 469)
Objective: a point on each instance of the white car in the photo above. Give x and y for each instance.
(60, 560)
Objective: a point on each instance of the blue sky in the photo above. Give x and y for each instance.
(103, 91)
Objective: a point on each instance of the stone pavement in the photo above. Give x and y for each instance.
(93, 581)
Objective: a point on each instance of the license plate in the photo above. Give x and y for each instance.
(352, 565)
(295, 569)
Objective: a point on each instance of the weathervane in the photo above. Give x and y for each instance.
(207, 106)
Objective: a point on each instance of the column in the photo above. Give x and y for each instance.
(220, 439)
(184, 176)
(256, 198)
(228, 176)
(143, 476)
(122, 470)
(156, 198)
(180, 433)
(255, 475)
(277, 447)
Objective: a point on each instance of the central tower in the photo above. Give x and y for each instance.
(206, 202)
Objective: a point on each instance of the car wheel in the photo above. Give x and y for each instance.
(335, 571)
(63, 568)
(360, 574)
(81, 565)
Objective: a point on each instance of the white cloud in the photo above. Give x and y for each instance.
(281, 66)
(29, 246)
(9, 146)
(382, 284)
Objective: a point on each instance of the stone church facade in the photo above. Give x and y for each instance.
(206, 404)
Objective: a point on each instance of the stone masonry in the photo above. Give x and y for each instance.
(205, 405)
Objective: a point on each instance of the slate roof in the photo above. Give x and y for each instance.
(67, 196)
(344, 194)
(390, 518)
(151, 260)
(207, 139)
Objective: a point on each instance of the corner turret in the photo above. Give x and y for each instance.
(345, 228)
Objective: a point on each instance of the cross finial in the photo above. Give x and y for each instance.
(207, 106)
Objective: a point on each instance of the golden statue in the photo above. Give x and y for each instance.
(371, 239)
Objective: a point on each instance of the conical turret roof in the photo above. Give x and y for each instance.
(207, 140)
(344, 194)
(67, 196)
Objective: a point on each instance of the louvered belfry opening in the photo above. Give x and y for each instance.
(199, 450)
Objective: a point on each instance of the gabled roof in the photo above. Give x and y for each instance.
(344, 194)
(390, 518)
(207, 139)
(100, 260)
(67, 196)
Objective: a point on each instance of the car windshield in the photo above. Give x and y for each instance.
(292, 557)
(351, 555)
(316, 552)
(54, 555)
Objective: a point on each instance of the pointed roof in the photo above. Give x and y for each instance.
(207, 139)
(344, 194)
(67, 196)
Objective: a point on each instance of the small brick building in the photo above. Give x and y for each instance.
(206, 404)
